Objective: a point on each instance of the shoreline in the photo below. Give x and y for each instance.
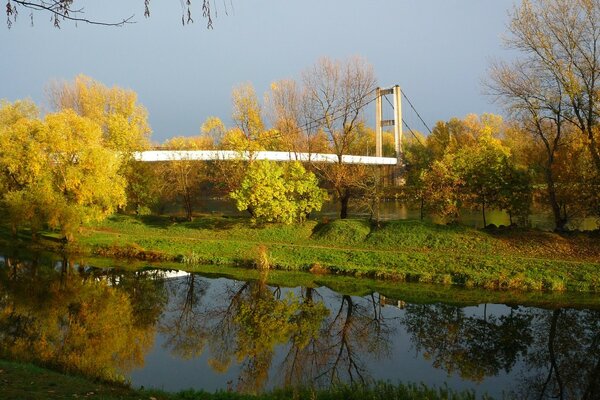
(397, 251)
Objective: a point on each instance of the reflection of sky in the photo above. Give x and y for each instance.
(404, 364)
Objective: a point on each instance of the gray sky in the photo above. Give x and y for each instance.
(437, 50)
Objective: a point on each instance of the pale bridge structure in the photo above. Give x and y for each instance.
(378, 159)
(223, 155)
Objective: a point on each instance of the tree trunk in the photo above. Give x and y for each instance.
(594, 150)
(559, 221)
(187, 200)
(483, 211)
(344, 205)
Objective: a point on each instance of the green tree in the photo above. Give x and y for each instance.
(485, 171)
(283, 193)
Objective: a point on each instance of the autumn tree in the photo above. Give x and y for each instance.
(283, 193)
(213, 128)
(560, 44)
(182, 175)
(336, 93)
(441, 190)
(60, 173)
(489, 178)
(122, 119)
(124, 122)
(418, 158)
(249, 133)
(535, 98)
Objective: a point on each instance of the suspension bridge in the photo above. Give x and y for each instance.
(380, 94)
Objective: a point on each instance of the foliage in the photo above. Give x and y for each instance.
(441, 190)
(122, 119)
(490, 180)
(61, 320)
(182, 176)
(271, 192)
(58, 172)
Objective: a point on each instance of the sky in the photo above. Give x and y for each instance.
(438, 51)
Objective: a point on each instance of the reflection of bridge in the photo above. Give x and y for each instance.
(215, 155)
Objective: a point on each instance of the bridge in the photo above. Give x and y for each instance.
(378, 159)
(223, 155)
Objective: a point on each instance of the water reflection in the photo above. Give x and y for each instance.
(107, 323)
(475, 346)
(564, 357)
(75, 320)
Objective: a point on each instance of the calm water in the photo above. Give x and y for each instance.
(397, 210)
(172, 330)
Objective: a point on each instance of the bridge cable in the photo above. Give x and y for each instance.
(310, 123)
(406, 125)
(415, 110)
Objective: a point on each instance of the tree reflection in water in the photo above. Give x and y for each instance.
(564, 358)
(101, 322)
(75, 320)
(473, 346)
(250, 320)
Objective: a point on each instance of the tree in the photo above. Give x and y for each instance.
(282, 193)
(417, 157)
(441, 190)
(535, 98)
(57, 172)
(489, 179)
(61, 10)
(213, 128)
(82, 181)
(183, 176)
(336, 93)
(124, 122)
(560, 41)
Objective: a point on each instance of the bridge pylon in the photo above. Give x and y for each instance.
(380, 123)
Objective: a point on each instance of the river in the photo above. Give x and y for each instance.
(172, 330)
(392, 209)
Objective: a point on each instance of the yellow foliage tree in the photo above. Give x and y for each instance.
(124, 122)
(57, 172)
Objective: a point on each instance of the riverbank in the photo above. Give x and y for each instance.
(412, 251)
(26, 381)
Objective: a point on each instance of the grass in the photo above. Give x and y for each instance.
(26, 381)
(399, 251)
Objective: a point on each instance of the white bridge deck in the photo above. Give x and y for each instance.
(213, 155)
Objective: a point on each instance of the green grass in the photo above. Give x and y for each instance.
(399, 251)
(26, 381)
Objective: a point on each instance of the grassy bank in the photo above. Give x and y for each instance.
(412, 251)
(26, 381)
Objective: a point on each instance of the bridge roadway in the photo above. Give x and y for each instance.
(212, 155)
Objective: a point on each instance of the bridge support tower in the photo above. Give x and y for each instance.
(380, 123)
